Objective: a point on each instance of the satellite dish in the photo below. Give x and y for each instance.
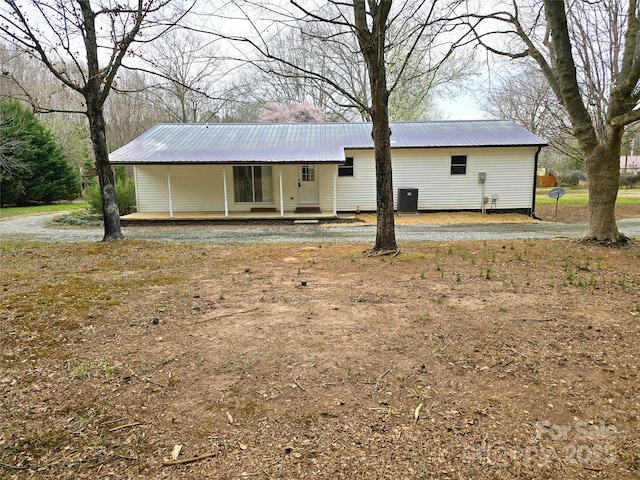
(556, 192)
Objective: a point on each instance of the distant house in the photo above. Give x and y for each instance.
(630, 164)
(226, 170)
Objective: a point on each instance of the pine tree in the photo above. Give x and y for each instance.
(45, 175)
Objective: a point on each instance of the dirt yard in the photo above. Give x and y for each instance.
(514, 359)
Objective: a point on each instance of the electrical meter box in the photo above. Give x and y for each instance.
(482, 177)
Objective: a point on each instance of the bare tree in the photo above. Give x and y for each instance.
(260, 81)
(308, 50)
(293, 112)
(370, 31)
(524, 96)
(186, 68)
(131, 108)
(589, 54)
(83, 46)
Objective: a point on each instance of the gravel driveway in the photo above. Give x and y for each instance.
(34, 228)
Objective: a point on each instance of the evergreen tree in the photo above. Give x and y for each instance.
(46, 175)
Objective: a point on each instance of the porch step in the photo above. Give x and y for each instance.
(308, 209)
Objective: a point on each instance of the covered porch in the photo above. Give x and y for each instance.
(207, 192)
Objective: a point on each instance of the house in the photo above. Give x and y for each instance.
(244, 170)
(630, 164)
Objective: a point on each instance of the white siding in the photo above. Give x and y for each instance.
(510, 176)
(358, 192)
(197, 188)
(194, 188)
(152, 190)
(326, 175)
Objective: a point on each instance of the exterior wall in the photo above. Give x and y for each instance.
(197, 188)
(152, 190)
(194, 188)
(358, 192)
(326, 174)
(200, 188)
(509, 176)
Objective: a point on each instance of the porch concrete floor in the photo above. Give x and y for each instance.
(233, 216)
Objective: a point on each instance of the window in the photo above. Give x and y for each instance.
(308, 173)
(458, 165)
(252, 184)
(346, 170)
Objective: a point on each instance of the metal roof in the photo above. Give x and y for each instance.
(306, 142)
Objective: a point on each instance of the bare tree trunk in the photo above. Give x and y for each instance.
(603, 101)
(385, 231)
(372, 42)
(49, 26)
(603, 170)
(110, 212)
(601, 153)
(95, 94)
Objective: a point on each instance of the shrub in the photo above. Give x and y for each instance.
(125, 194)
(572, 178)
(79, 218)
(629, 180)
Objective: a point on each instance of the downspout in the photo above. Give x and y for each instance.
(135, 180)
(535, 181)
(170, 193)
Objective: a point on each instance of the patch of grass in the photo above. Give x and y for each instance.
(58, 207)
(579, 197)
(569, 276)
(78, 369)
(412, 257)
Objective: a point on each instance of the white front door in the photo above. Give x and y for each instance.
(308, 185)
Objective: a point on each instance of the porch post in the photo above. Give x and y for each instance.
(335, 194)
(281, 193)
(170, 192)
(135, 182)
(224, 188)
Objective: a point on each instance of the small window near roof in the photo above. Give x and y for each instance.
(346, 170)
(458, 165)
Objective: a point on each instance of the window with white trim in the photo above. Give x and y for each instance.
(252, 184)
(346, 170)
(458, 165)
